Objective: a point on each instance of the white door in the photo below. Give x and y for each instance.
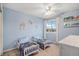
(1, 35)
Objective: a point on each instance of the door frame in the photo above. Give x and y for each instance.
(1, 52)
(57, 30)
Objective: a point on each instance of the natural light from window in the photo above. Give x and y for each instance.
(51, 26)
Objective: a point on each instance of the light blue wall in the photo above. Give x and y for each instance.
(51, 37)
(64, 32)
(11, 22)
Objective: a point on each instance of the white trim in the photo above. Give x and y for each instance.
(1, 51)
(44, 29)
(51, 32)
(58, 26)
(2, 28)
(9, 49)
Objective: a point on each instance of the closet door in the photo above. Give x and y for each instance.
(1, 33)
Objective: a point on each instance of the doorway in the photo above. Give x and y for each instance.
(50, 30)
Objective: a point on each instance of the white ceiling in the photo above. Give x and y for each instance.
(41, 10)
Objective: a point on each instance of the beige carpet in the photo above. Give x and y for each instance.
(53, 50)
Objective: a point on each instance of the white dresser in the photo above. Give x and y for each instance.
(69, 46)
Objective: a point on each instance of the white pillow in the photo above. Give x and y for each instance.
(23, 40)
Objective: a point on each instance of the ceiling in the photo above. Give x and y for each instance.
(43, 10)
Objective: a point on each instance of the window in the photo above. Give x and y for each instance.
(51, 26)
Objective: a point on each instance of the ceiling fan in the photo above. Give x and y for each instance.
(51, 9)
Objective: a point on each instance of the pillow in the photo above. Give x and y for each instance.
(33, 39)
(23, 40)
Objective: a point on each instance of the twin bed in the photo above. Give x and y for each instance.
(27, 47)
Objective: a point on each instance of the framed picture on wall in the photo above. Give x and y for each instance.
(71, 21)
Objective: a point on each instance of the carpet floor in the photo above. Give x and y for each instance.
(53, 50)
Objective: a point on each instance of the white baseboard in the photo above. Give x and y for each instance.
(9, 49)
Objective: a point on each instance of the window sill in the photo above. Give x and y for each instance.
(50, 32)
